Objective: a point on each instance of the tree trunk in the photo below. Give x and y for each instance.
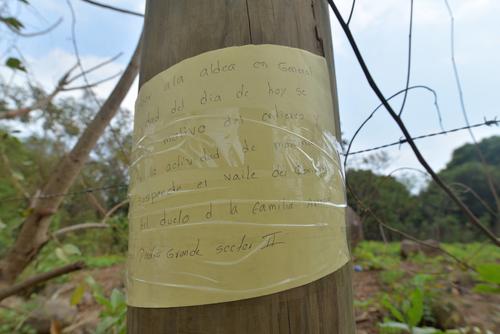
(34, 232)
(175, 30)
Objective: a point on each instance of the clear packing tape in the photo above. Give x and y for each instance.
(236, 185)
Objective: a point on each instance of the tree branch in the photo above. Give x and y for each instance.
(42, 103)
(404, 234)
(37, 33)
(467, 212)
(103, 224)
(62, 86)
(40, 278)
(78, 227)
(34, 233)
(116, 9)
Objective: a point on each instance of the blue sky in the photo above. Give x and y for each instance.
(381, 29)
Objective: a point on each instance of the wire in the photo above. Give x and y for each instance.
(80, 192)
(404, 141)
(399, 142)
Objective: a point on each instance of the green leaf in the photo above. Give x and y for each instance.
(15, 64)
(416, 310)
(100, 299)
(61, 255)
(117, 298)
(12, 22)
(393, 326)
(489, 272)
(105, 324)
(394, 311)
(404, 327)
(77, 295)
(17, 175)
(71, 249)
(91, 282)
(420, 280)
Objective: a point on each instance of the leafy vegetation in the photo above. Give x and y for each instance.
(407, 298)
(430, 213)
(423, 294)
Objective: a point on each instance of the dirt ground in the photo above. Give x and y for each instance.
(482, 311)
(366, 286)
(478, 310)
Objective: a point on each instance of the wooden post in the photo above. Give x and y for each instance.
(179, 29)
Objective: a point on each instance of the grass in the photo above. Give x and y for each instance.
(411, 292)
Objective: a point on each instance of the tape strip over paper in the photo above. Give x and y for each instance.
(236, 186)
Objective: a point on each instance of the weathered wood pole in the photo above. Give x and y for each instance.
(179, 29)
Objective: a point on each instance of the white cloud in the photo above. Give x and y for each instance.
(49, 69)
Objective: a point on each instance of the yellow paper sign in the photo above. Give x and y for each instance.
(236, 187)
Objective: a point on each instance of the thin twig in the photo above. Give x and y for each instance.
(116, 9)
(38, 33)
(113, 210)
(85, 226)
(408, 70)
(467, 212)
(42, 103)
(358, 130)
(78, 227)
(95, 67)
(85, 72)
(404, 234)
(93, 199)
(489, 178)
(468, 189)
(93, 84)
(351, 12)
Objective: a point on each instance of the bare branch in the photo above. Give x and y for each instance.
(113, 210)
(34, 233)
(103, 224)
(38, 33)
(93, 68)
(61, 86)
(93, 199)
(380, 105)
(78, 227)
(351, 12)
(476, 196)
(93, 84)
(467, 212)
(116, 9)
(85, 72)
(85, 226)
(408, 71)
(489, 178)
(408, 168)
(404, 234)
(42, 103)
(40, 278)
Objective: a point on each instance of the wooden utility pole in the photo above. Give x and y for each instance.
(179, 29)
